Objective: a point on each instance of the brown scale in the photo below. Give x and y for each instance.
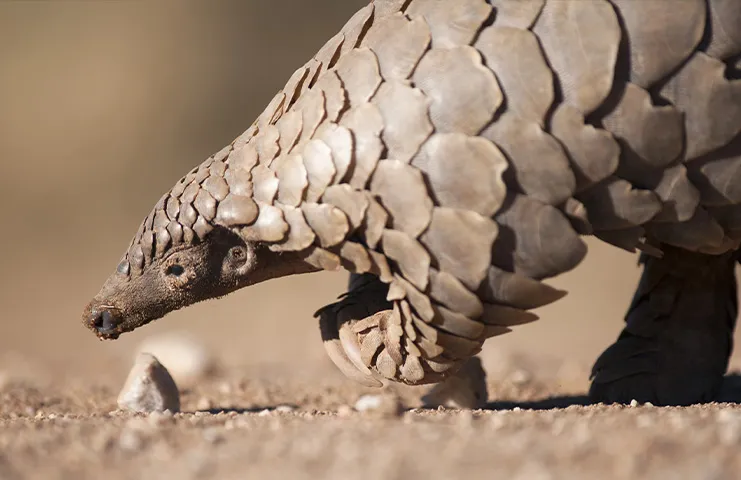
(652, 136)
(456, 106)
(388, 7)
(456, 323)
(340, 141)
(402, 289)
(355, 258)
(679, 195)
(294, 87)
(650, 60)
(244, 158)
(539, 164)
(402, 192)
(322, 259)
(301, 235)
(327, 221)
(718, 175)
(366, 124)
(202, 228)
(236, 180)
(454, 22)
(360, 75)
(329, 53)
(335, 96)
(313, 111)
(460, 242)
(269, 226)
(577, 214)
(616, 204)
(236, 210)
(205, 204)
(265, 184)
(292, 179)
(320, 169)
(585, 75)
(725, 35)
(593, 153)
(398, 44)
(406, 120)
(411, 257)
(272, 112)
(531, 100)
(353, 203)
(711, 104)
(450, 292)
(535, 240)
(700, 233)
(375, 221)
(474, 182)
(355, 28)
(289, 128)
(266, 143)
(521, 14)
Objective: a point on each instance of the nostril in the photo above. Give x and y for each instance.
(104, 321)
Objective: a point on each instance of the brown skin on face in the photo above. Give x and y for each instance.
(214, 267)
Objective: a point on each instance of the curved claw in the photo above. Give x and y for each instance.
(338, 343)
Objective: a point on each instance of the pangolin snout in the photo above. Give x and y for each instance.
(105, 321)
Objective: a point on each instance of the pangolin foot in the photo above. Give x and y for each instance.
(675, 347)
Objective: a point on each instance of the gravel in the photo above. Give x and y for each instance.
(309, 429)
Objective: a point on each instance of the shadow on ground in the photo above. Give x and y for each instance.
(730, 393)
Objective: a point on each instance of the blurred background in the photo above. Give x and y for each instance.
(104, 105)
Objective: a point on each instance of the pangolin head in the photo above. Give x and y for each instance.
(190, 248)
(145, 289)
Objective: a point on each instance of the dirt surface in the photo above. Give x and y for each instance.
(245, 424)
(103, 106)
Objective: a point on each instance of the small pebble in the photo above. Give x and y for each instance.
(285, 408)
(204, 404)
(344, 411)
(634, 403)
(157, 419)
(383, 405)
(149, 388)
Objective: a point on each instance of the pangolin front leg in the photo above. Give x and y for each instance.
(373, 338)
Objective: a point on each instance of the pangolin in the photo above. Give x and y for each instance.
(451, 155)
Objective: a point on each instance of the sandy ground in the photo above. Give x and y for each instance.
(246, 424)
(103, 106)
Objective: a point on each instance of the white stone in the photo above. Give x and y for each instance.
(149, 388)
(384, 405)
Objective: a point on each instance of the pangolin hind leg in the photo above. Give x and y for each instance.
(675, 347)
